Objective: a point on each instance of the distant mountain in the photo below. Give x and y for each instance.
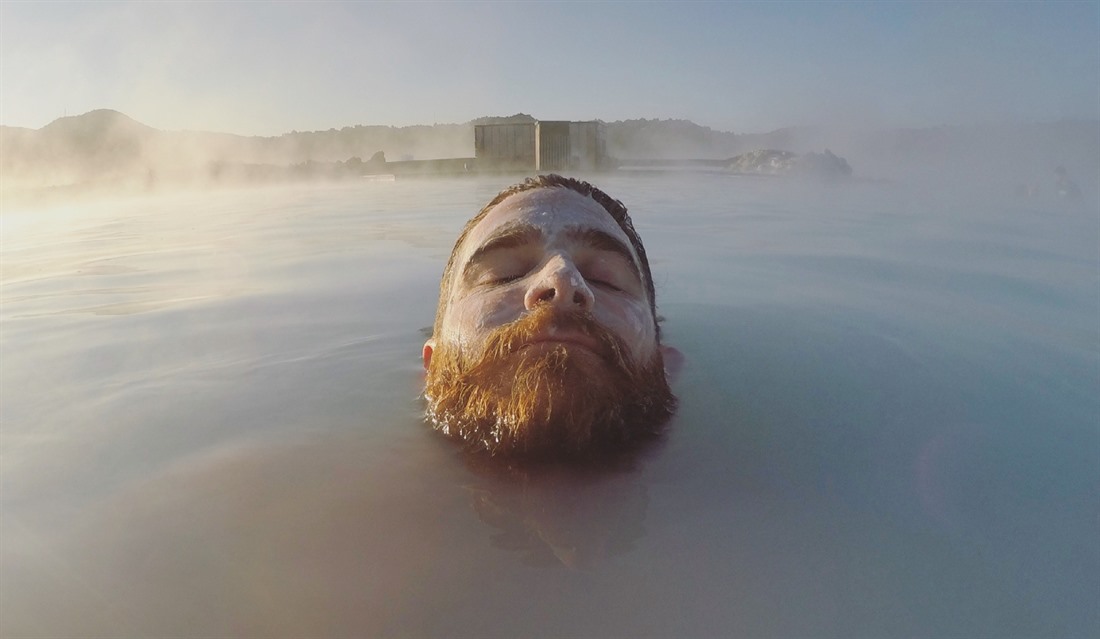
(682, 139)
(103, 139)
(95, 125)
(105, 144)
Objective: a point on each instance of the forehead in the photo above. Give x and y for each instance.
(553, 210)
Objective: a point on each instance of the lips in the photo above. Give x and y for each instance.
(569, 339)
(546, 326)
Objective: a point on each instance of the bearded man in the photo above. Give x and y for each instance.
(546, 342)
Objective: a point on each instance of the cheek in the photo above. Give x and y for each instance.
(641, 323)
(471, 319)
(634, 323)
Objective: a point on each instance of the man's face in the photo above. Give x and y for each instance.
(547, 341)
(547, 246)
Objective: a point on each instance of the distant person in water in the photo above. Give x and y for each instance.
(1067, 188)
(546, 342)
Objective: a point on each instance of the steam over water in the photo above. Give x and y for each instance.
(889, 423)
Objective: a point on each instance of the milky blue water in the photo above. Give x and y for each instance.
(889, 423)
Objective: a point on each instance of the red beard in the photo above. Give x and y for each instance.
(548, 399)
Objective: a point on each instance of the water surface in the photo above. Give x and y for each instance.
(889, 423)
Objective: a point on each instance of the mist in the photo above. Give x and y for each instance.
(105, 153)
(873, 233)
(130, 98)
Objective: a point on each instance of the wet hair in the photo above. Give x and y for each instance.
(614, 208)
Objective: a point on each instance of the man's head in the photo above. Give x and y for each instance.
(546, 340)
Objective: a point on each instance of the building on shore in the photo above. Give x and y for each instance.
(551, 145)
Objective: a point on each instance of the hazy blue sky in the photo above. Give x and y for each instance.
(267, 68)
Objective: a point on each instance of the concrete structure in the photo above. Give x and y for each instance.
(587, 146)
(505, 147)
(540, 146)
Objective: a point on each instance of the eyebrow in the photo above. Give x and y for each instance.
(604, 241)
(522, 234)
(507, 237)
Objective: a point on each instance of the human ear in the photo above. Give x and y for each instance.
(429, 346)
(673, 360)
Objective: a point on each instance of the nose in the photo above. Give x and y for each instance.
(560, 284)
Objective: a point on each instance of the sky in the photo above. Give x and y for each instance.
(266, 68)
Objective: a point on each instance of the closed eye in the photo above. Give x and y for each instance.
(604, 284)
(500, 281)
(502, 266)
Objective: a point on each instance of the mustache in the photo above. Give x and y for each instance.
(546, 321)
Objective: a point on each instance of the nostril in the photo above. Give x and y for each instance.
(546, 295)
(578, 297)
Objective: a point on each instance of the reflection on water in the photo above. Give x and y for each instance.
(577, 517)
(887, 425)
